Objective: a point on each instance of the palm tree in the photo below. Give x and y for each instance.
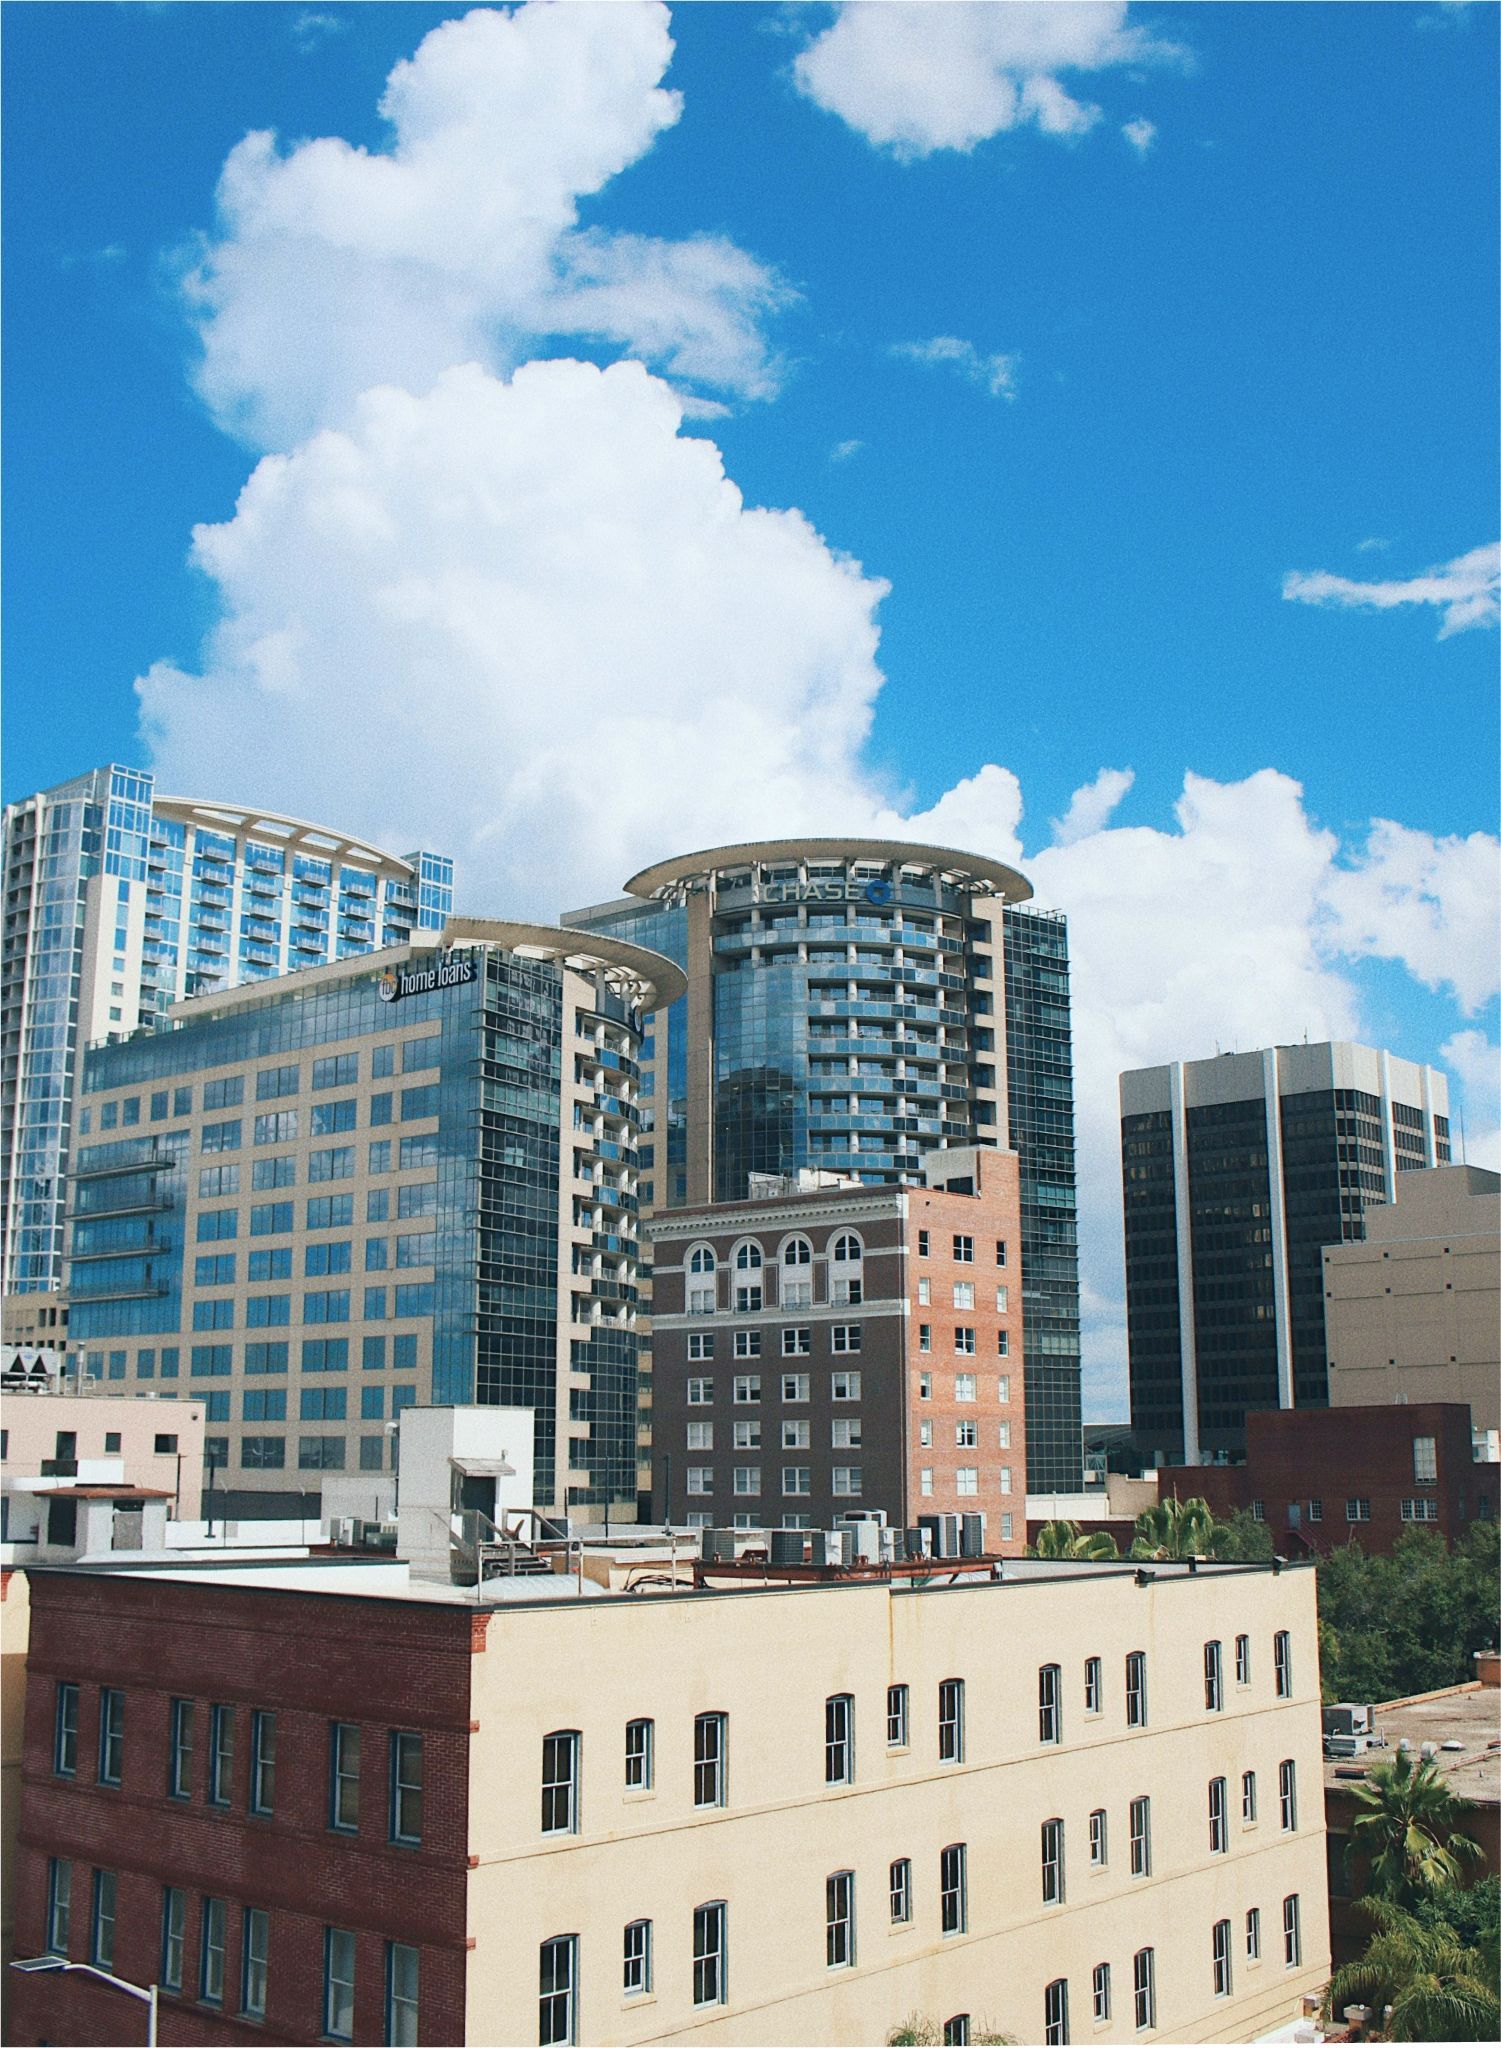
(1418, 1983)
(1176, 1528)
(1067, 1539)
(1406, 1827)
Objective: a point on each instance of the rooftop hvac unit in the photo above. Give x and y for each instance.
(918, 1542)
(718, 1546)
(865, 1541)
(788, 1546)
(943, 1532)
(971, 1535)
(341, 1531)
(891, 1546)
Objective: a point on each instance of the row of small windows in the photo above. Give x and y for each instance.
(1144, 1974)
(336, 1070)
(748, 1257)
(330, 1163)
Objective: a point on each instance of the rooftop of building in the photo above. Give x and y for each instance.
(967, 870)
(292, 835)
(1463, 1723)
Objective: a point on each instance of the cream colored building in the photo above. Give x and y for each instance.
(97, 1439)
(1414, 1312)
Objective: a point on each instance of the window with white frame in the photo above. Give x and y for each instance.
(848, 1480)
(557, 1999)
(964, 1294)
(1055, 2011)
(1002, 1301)
(748, 1257)
(964, 1386)
(1282, 1664)
(700, 1345)
(1094, 1686)
(1287, 1794)
(967, 1480)
(1248, 1799)
(1100, 1984)
(844, 1433)
(845, 1386)
(924, 1292)
(1144, 1988)
(701, 1259)
(748, 1297)
(747, 1387)
(640, 1755)
(1219, 1823)
(1052, 1862)
(747, 1436)
(796, 1291)
(1099, 1839)
(747, 1343)
(1220, 1952)
(1005, 1477)
(1003, 1435)
(747, 1479)
(1425, 1460)
(897, 1699)
(636, 1974)
(925, 1339)
(1292, 1931)
(700, 1436)
(1214, 1689)
(964, 1340)
(700, 1480)
(1242, 1660)
(846, 1337)
(1050, 1703)
(900, 1883)
(966, 1435)
(795, 1435)
(925, 1435)
(560, 1782)
(1136, 1689)
(1003, 1385)
(797, 1343)
(1357, 1509)
(953, 1889)
(797, 1479)
(700, 1393)
(710, 1745)
(1000, 1251)
(1253, 1935)
(710, 1977)
(964, 1250)
(847, 1249)
(839, 1920)
(1141, 1837)
(796, 1386)
(951, 1721)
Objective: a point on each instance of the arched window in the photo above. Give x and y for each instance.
(847, 1249)
(701, 1259)
(748, 1256)
(797, 1252)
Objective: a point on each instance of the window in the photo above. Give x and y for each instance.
(964, 1250)
(1248, 1798)
(65, 1730)
(1136, 1689)
(1287, 1794)
(964, 1386)
(221, 1754)
(844, 1386)
(636, 1977)
(402, 1963)
(797, 1479)
(1242, 1660)
(747, 1387)
(848, 1480)
(1219, 1826)
(796, 1436)
(747, 1343)
(255, 1950)
(111, 1734)
(174, 1922)
(1144, 1988)
(344, 1777)
(925, 1435)
(896, 1716)
(710, 1973)
(406, 1786)
(710, 1733)
(924, 1241)
(59, 1905)
(1093, 1687)
(1214, 1691)
(1220, 1947)
(951, 1721)
(839, 1920)
(925, 1481)
(846, 1337)
(262, 1762)
(1282, 1663)
(102, 1927)
(964, 1341)
(700, 1393)
(1357, 1510)
(1425, 1461)
(1055, 2011)
(338, 1984)
(700, 1436)
(1050, 1703)
(796, 1343)
(211, 1952)
(967, 1435)
(1315, 1511)
(839, 1740)
(953, 1889)
(747, 1481)
(1099, 1839)
(640, 1738)
(1141, 1838)
(925, 1343)
(1101, 1992)
(1292, 1932)
(1052, 1862)
(964, 1294)
(1253, 1935)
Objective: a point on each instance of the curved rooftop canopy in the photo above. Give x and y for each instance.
(291, 835)
(646, 980)
(962, 870)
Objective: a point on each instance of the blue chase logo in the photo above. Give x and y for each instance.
(878, 891)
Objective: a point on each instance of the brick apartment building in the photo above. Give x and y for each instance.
(844, 1349)
(1319, 1476)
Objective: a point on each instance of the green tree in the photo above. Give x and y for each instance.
(1067, 1539)
(1175, 1528)
(1243, 1540)
(1406, 1826)
(1408, 1623)
(1472, 1913)
(1420, 1983)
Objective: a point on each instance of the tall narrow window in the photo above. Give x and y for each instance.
(901, 1891)
(1136, 1689)
(262, 1762)
(1292, 1931)
(1253, 1935)
(1242, 1660)
(839, 1920)
(1282, 1663)
(839, 1739)
(1099, 1839)
(639, 1755)
(1052, 1863)
(180, 1750)
(65, 1730)
(1055, 2011)
(896, 1716)
(953, 1889)
(636, 1980)
(1219, 1826)
(1141, 1838)
(174, 1922)
(951, 1721)
(221, 1754)
(211, 1952)
(710, 1742)
(1220, 1951)
(1144, 1988)
(59, 1905)
(406, 1786)
(254, 1962)
(956, 2031)
(1248, 1798)
(338, 1983)
(710, 1972)
(1093, 1688)
(1287, 1794)
(1214, 1689)
(344, 1777)
(403, 1964)
(111, 1734)
(1050, 1704)
(1101, 1989)
(560, 1782)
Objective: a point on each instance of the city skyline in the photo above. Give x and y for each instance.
(1124, 375)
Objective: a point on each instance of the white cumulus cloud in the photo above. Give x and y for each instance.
(914, 76)
(993, 373)
(1090, 807)
(336, 268)
(1467, 590)
(1475, 1118)
(1434, 904)
(1140, 134)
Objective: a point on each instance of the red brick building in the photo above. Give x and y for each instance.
(188, 1809)
(1320, 1476)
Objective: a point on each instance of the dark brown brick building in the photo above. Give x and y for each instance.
(844, 1349)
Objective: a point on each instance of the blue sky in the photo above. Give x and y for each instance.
(1082, 402)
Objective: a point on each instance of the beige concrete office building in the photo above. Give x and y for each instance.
(1414, 1312)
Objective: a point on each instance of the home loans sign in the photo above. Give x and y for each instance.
(449, 970)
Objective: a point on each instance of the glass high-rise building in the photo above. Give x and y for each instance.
(1239, 1170)
(849, 1007)
(407, 1178)
(120, 902)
